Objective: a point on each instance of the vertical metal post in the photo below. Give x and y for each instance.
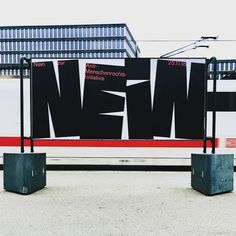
(31, 111)
(22, 105)
(22, 121)
(205, 109)
(31, 144)
(214, 106)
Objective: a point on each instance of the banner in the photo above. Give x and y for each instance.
(131, 98)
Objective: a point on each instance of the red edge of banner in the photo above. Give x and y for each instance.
(15, 141)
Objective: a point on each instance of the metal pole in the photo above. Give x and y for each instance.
(31, 111)
(205, 109)
(22, 121)
(214, 107)
(22, 105)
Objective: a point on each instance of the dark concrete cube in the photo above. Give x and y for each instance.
(212, 173)
(24, 172)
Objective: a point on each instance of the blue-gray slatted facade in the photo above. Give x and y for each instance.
(64, 41)
(223, 66)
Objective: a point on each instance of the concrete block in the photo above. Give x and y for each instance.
(24, 173)
(212, 173)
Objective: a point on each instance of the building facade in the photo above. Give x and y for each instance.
(224, 68)
(64, 41)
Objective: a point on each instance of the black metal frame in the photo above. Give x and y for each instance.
(205, 138)
(22, 120)
(212, 138)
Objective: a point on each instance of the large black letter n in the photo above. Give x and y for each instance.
(64, 103)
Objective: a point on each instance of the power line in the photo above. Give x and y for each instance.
(178, 40)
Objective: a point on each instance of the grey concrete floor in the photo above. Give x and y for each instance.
(116, 203)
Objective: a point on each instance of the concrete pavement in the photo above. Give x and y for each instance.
(116, 203)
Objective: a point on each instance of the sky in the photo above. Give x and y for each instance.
(151, 22)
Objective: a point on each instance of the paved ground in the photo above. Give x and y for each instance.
(117, 203)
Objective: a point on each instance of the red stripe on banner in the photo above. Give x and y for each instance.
(15, 141)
